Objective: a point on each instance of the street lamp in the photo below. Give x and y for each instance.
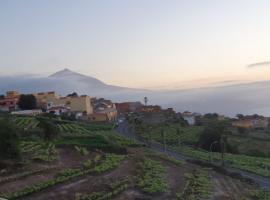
(210, 153)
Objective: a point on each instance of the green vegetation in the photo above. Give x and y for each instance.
(151, 176)
(27, 102)
(261, 194)
(24, 174)
(175, 134)
(110, 162)
(190, 138)
(49, 128)
(26, 123)
(9, 140)
(82, 150)
(198, 186)
(38, 150)
(255, 165)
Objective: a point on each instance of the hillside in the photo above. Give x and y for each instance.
(93, 162)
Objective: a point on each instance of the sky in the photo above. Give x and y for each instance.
(138, 43)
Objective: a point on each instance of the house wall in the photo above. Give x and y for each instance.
(9, 104)
(243, 124)
(76, 104)
(44, 97)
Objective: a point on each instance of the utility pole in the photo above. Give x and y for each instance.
(178, 132)
(222, 148)
(150, 136)
(145, 101)
(164, 139)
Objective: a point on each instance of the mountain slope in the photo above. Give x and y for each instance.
(245, 98)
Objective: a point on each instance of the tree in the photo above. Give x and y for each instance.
(9, 140)
(27, 102)
(240, 116)
(242, 130)
(213, 132)
(211, 115)
(74, 94)
(50, 130)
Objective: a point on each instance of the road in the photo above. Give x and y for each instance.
(124, 130)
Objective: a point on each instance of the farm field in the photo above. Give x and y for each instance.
(84, 163)
(135, 174)
(184, 140)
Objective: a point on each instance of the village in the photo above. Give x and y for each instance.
(86, 108)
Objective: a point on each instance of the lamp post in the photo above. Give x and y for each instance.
(210, 153)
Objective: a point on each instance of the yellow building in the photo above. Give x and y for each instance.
(106, 115)
(75, 103)
(44, 97)
(12, 94)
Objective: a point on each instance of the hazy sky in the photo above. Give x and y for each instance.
(137, 43)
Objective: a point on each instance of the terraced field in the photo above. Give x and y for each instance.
(26, 123)
(84, 163)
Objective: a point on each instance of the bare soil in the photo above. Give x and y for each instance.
(68, 158)
(227, 188)
(85, 185)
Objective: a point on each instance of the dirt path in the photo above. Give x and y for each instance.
(84, 185)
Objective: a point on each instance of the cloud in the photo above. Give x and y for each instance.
(259, 64)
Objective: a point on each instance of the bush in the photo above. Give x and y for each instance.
(27, 102)
(9, 141)
(50, 130)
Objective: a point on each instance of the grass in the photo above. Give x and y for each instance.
(189, 136)
(174, 134)
(252, 164)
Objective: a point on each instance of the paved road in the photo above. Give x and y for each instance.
(124, 130)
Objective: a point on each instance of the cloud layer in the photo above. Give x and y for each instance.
(259, 64)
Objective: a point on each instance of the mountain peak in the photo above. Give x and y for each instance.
(63, 72)
(72, 75)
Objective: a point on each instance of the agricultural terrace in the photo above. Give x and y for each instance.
(100, 164)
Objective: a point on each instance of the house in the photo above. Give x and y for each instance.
(123, 107)
(151, 109)
(189, 117)
(106, 115)
(126, 107)
(58, 110)
(76, 104)
(44, 97)
(10, 101)
(103, 110)
(251, 122)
